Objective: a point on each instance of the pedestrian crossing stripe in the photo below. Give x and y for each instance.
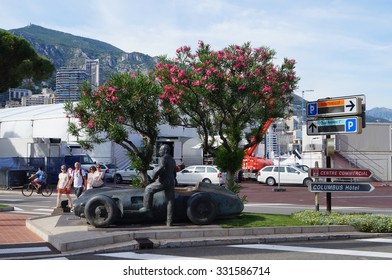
(313, 250)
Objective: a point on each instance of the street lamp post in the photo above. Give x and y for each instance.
(303, 105)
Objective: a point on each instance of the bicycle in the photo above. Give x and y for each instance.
(45, 189)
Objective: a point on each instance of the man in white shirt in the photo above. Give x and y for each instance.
(79, 180)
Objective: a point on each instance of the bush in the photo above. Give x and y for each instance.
(364, 222)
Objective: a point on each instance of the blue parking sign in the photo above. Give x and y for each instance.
(351, 125)
(312, 109)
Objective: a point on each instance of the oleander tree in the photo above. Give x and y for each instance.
(127, 103)
(19, 61)
(229, 93)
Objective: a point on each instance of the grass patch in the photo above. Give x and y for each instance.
(260, 220)
(3, 205)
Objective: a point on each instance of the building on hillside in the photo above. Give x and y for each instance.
(68, 83)
(93, 73)
(46, 97)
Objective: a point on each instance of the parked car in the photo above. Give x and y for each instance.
(285, 173)
(128, 174)
(193, 174)
(109, 169)
(201, 204)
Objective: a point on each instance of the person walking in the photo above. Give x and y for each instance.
(79, 178)
(90, 177)
(99, 176)
(64, 186)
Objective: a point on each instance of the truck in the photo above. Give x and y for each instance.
(251, 163)
(25, 155)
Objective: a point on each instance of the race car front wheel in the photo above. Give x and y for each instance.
(201, 209)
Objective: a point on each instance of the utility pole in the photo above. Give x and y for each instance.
(303, 105)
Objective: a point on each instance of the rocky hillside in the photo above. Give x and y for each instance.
(64, 49)
(380, 114)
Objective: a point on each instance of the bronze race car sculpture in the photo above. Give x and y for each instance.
(200, 204)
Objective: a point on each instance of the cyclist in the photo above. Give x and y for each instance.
(38, 179)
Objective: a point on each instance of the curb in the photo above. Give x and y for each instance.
(70, 239)
(8, 208)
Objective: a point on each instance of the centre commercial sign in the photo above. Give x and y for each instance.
(340, 173)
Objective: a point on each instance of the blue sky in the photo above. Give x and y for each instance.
(341, 47)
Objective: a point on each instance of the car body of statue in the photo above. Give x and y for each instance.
(200, 204)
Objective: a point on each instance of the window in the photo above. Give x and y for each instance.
(291, 170)
(200, 169)
(268, 168)
(279, 169)
(211, 170)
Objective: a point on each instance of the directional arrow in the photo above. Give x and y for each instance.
(312, 126)
(351, 105)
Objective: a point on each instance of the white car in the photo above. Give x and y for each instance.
(128, 174)
(271, 175)
(193, 174)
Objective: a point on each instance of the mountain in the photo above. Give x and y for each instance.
(64, 49)
(379, 114)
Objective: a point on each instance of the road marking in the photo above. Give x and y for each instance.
(131, 255)
(379, 240)
(24, 250)
(315, 250)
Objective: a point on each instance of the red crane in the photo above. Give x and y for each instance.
(252, 164)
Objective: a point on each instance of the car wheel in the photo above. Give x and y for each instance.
(307, 182)
(101, 211)
(117, 179)
(206, 180)
(270, 181)
(201, 209)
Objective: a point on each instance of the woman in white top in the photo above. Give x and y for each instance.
(90, 177)
(99, 176)
(64, 187)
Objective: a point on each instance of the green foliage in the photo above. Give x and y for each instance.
(128, 103)
(229, 160)
(19, 61)
(364, 222)
(223, 93)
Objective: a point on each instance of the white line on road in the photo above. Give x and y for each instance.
(131, 255)
(24, 250)
(315, 250)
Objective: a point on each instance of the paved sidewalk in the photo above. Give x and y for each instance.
(13, 229)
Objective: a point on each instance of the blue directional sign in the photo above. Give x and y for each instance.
(349, 125)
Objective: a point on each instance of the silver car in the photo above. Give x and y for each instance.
(128, 174)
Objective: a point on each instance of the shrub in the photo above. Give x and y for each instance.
(364, 222)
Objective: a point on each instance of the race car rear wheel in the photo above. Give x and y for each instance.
(201, 209)
(101, 211)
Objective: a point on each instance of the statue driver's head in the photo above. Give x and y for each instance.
(164, 150)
